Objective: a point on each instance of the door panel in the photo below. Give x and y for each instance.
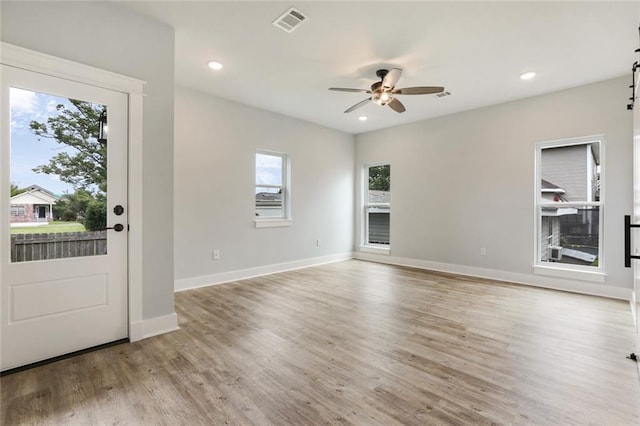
(62, 297)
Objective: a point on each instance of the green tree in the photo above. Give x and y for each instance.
(15, 190)
(96, 216)
(380, 178)
(73, 207)
(86, 166)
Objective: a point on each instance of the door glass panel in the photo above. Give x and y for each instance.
(58, 177)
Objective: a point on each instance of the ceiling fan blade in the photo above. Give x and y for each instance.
(391, 79)
(426, 90)
(396, 105)
(343, 89)
(358, 105)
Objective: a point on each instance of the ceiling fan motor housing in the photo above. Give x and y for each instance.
(382, 74)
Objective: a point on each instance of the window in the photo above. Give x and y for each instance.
(377, 207)
(569, 204)
(17, 210)
(272, 190)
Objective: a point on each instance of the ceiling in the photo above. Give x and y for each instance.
(476, 50)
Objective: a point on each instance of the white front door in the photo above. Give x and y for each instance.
(63, 283)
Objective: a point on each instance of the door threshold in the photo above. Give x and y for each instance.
(62, 357)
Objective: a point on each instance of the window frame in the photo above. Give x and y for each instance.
(558, 269)
(285, 190)
(365, 245)
(16, 207)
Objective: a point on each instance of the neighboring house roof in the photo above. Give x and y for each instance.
(550, 187)
(34, 195)
(558, 211)
(552, 192)
(41, 189)
(268, 196)
(266, 199)
(379, 197)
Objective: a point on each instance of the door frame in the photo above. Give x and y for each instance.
(635, 291)
(30, 60)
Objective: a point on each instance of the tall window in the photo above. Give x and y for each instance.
(272, 192)
(377, 205)
(569, 203)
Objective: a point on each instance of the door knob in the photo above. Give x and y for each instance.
(118, 227)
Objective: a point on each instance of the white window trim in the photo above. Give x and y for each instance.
(365, 246)
(273, 223)
(564, 270)
(286, 219)
(575, 272)
(376, 249)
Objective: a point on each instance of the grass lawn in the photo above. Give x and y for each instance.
(50, 228)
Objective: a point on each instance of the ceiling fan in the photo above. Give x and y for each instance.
(384, 91)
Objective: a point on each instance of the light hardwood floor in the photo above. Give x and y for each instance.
(353, 343)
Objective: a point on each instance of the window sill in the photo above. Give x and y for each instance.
(563, 272)
(272, 223)
(376, 249)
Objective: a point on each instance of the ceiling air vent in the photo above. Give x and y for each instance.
(443, 94)
(290, 20)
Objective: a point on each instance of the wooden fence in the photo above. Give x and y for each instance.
(28, 247)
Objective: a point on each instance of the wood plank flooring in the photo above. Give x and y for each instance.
(353, 343)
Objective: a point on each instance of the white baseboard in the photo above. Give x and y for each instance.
(243, 274)
(574, 286)
(152, 327)
(634, 311)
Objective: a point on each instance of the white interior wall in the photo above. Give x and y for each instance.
(215, 147)
(108, 36)
(460, 182)
(466, 181)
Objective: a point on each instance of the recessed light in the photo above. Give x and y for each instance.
(528, 75)
(363, 118)
(216, 66)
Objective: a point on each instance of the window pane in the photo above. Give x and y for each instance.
(58, 177)
(570, 235)
(571, 173)
(379, 184)
(378, 229)
(268, 169)
(269, 202)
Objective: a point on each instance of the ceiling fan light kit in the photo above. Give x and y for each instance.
(384, 91)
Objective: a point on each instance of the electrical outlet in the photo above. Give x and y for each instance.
(483, 251)
(216, 254)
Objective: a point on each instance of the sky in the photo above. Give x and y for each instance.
(268, 171)
(27, 151)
